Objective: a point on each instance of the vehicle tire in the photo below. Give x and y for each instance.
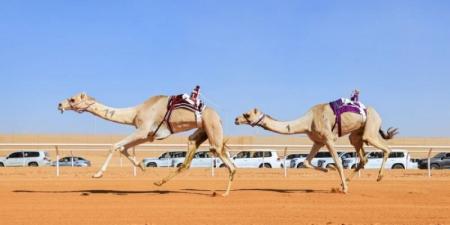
(222, 166)
(265, 165)
(2, 165)
(151, 165)
(33, 164)
(435, 166)
(398, 166)
(300, 165)
(354, 166)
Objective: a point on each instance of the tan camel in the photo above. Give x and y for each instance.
(148, 119)
(318, 124)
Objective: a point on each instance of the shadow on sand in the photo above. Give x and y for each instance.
(182, 191)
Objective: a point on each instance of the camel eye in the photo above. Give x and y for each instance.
(246, 116)
(72, 100)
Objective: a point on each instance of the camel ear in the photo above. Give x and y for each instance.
(83, 95)
(255, 111)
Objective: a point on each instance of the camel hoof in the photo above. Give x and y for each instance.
(97, 175)
(225, 194)
(380, 178)
(158, 183)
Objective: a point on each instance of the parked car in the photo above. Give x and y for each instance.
(439, 161)
(320, 156)
(257, 158)
(202, 159)
(166, 159)
(328, 162)
(77, 161)
(291, 157)
(26, 158)
(397, 159)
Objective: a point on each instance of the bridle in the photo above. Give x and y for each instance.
(73, 105)
(258, 122)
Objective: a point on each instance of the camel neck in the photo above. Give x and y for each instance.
(298, 126)
(121, 115)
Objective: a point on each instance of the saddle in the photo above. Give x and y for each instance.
(344, 105)
(184, 102)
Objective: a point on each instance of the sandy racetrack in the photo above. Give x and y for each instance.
(259, 196)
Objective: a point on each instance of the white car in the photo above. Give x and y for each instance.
(167, 159)
(294, 156)
(26, 158)
(398, 159)
(329, 162)
(320, 157)
(258, 158)
(202, 159)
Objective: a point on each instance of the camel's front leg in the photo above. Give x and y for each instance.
(195, 140)
(307, 163)
(135, 138)
(338, 162)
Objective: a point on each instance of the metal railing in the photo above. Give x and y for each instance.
(426, 149)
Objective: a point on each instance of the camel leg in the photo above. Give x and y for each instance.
(131, 158)
(307, 163)
(338, 162)
(362, 161)
(230, 166)
(356, 141)
(377, 143)
(195, 140)
(121, 146)
(371, 136)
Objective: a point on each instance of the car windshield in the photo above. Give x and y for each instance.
(293, 156)
(178, 154)
(349, 155)
(440, 155)
(243, 155)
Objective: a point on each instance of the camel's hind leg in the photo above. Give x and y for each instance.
(372, 136)
(356, 141)
(231, 168)
(195, 140)
(307, 163)
(214, 130)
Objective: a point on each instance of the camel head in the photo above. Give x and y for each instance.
(252, 118)
(79, 103)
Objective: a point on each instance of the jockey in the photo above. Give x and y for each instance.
(195, 95)
(355, 96)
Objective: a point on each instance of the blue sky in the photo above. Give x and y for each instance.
(280, 56)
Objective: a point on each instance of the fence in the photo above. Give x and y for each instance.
(157, 149)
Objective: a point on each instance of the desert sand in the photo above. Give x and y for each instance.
(259, 196)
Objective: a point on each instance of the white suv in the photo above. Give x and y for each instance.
(398, 159)
(167, 159)
(26, 158)
(321, 157)
(257, 158)
(202, 159)
(328, 162)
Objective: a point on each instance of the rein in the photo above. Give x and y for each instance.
(76, 104)
(261, 117)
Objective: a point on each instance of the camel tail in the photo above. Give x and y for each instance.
(390, 133)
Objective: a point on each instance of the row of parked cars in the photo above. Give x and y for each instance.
(40, 158)
(398, 159)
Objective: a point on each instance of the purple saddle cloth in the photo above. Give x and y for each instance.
(339, 107)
